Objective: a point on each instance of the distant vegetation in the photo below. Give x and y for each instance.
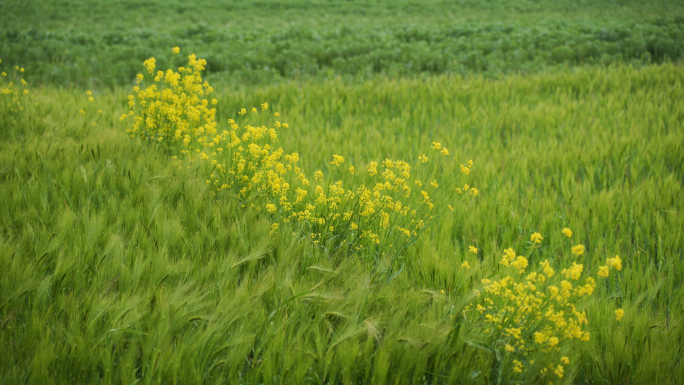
(61, 45)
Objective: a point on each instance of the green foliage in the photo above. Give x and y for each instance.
(179, 15)
(267, 50)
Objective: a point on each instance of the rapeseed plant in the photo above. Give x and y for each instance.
(15, 96)
(373, 211)
(536, 238)
(171, 107)
(531, 311)
(578, 249)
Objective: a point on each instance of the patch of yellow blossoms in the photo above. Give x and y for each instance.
(172, 107)
(377, 209)
(14, 93)
(539, 311)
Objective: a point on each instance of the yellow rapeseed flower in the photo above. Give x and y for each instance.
(603, 271)
(548, 270)
(472, 249)
(619, 313)
(466, 265)
(567, 232)
(559, 371)
(519, 263)
(536, 238)
(337, 160)
(573, 272)
(517, 366)
(150, 64)
(175, 50)
(509, 256)
(615, 262)
(579, 249)
(372, 168)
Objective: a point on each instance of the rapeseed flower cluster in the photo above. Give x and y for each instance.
(14, 94)
(173, 107)
(615, 263)
(537, 309)
(90, 110)
(375, 210)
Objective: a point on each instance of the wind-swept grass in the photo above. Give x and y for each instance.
(119, 268)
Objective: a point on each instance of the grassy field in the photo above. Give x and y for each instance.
(120, 267)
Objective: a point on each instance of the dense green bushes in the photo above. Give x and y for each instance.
(263, 54)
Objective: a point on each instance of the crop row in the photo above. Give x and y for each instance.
(253, 56)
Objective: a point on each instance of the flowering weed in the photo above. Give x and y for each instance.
(375, 213)
(15, 98)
